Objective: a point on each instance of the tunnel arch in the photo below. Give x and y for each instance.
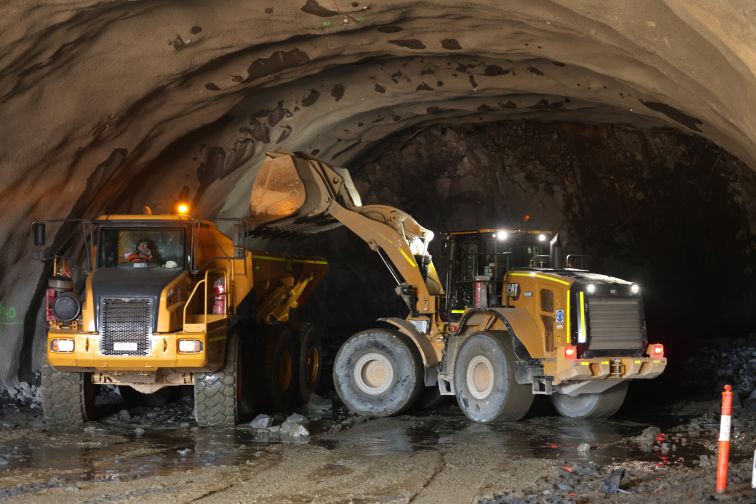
(115, 105)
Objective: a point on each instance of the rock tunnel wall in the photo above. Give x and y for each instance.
(108, 106)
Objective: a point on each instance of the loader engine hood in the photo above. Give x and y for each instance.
(114, 283)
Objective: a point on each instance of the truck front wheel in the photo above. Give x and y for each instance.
(68, 399)
(484, 378)
(601, 405)
(378, 372)
(218, 397)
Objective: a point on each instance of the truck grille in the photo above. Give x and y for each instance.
(125, 326)
(615, 324)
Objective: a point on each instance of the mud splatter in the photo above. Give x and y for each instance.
(314, 8)
(275, 115)
(337, 92)
(451, 44)
(676, 115)
(195, 29)
(534, 71)
(211, 86)
(408, 43)
(311, 98)
(485, 108)
(509, 104)
(473, 82)
(284, 134)
(277, 61)
(494, 70)
(379, 89)
(423, 87)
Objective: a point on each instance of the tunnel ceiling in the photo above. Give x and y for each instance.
(107, 106)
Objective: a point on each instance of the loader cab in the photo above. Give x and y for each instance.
(479, 260)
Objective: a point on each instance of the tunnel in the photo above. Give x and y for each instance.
(627, 128)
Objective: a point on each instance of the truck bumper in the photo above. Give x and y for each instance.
(623, 368)
(164, 354)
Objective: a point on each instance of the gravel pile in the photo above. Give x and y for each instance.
(23, 395)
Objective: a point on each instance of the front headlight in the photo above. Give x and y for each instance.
(590, 288)
(635, 288)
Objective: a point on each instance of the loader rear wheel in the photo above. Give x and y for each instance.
(219, 396)
(308, 357)
(378, 372)
(601, 405)
(68, 399)
(484, 378)
(278, 381)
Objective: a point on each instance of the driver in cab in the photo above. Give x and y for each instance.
(146, 252)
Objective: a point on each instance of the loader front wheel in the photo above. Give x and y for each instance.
(484, 378)
(218, 396)
(378, 372)
(601, 405)
(68, 399)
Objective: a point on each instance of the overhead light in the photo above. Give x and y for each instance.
(541, 237)
(182, 209)
(635, 288)
(590, 288)
(502, 235)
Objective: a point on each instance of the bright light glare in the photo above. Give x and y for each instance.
(590, 289)
(635, 288)
(183, 208)
(502, 235)
(541, 237)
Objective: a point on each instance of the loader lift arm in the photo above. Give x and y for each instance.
(296, 195)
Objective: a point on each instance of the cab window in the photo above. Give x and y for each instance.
(135, 248)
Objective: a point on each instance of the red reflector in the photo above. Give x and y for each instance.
(658, 350)
(570, 352)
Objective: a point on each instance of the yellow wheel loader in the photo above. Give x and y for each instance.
(170, 300)
(515, 319)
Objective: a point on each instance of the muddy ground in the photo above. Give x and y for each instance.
(159, 455)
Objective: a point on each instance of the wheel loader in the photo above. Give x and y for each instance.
(514, 320)
(169, 300)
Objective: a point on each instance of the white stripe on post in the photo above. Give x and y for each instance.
(753, 478)
(724, 428)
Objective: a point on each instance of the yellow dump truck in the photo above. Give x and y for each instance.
(170, 300)
(516, 319)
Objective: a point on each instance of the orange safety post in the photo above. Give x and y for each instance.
(723, 457)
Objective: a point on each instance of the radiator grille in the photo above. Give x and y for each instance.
(615, 324)
(125, 326)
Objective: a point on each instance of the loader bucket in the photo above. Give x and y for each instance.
(292, 194)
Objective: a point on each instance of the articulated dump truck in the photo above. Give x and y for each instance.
(168, 301)
(515, 319)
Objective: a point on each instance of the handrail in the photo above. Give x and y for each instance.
(188, 301)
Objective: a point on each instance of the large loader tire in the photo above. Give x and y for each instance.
(309, 353)
(378, 372)
(219, 396)
(278, 382)
(68, 399)
(484, 379)
(601, 405)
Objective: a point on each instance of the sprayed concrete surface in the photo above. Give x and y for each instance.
(158, 455)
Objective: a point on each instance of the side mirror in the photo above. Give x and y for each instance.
(239, 238)
(38, 232)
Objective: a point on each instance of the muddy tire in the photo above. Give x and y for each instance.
(310, 349)
(484, 378)
(219, 396)
(602, 405)
(378, 372)
(278, 383)
(68, 399)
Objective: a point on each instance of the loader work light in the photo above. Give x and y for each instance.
(182, 209)
(502, 235)
(62, 345)
(590, 288)
(635, 288)
(189, 346)
(541, 237)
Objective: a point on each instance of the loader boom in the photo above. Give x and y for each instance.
(299, 195)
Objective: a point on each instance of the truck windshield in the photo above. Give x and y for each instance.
(147, 247)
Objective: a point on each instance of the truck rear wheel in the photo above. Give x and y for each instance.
(601, 405)
(219, 396)
(378, 372)
(279, 370)
(308, 357)
(68, 399)
(484, 378)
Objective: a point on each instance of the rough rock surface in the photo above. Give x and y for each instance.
(112, 105)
